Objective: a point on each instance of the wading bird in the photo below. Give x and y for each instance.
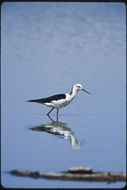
(60, 100)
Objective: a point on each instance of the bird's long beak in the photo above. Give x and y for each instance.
(86, 91)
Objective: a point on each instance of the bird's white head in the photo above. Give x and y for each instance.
(77, 87)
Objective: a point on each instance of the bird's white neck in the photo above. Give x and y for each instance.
(73, 92)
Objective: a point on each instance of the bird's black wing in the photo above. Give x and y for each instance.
(49, 99)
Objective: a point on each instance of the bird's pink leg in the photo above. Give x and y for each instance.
(49, 112)
(57, 114)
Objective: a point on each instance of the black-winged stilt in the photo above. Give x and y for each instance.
(60, 100)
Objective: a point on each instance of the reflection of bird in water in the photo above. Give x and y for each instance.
(60, 100)
(59, 128)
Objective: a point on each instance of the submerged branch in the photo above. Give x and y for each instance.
(84, 174)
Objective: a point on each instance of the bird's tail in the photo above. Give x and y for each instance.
(31, 100)
(41, 101)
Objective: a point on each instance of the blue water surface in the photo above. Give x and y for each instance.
(46, 47)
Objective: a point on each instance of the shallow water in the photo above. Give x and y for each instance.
(46, 48)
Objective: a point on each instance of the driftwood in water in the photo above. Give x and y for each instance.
(80, 170)
(84, 174)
